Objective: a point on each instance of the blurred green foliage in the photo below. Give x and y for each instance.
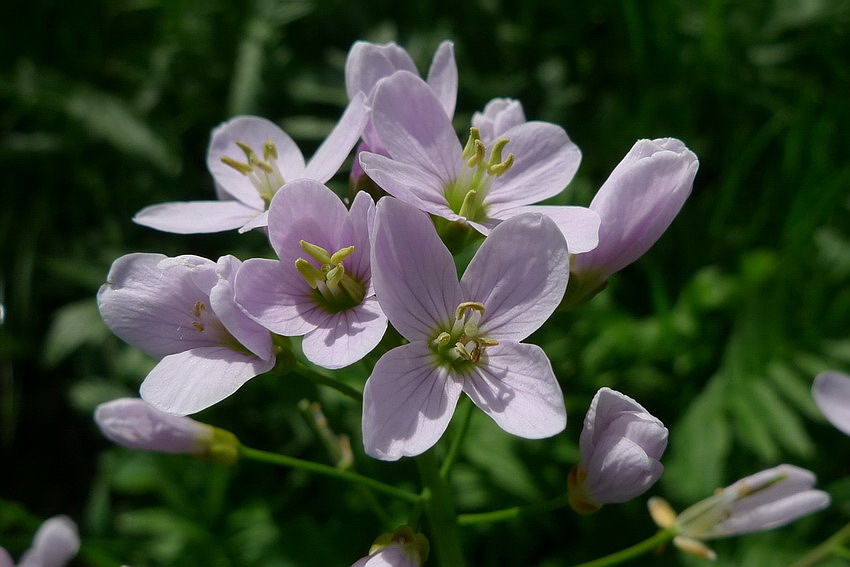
(719, 330)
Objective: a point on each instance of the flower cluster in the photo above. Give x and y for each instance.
(343, 270)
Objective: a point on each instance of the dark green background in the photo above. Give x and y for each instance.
(106, 107)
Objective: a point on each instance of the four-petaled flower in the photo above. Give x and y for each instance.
(182, 310)
(831, 391)
(322, 285)
(481, 184)
(54, 545)
(250, 159)
(464, 335)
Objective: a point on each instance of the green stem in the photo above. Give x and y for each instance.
(637, 549)
(512, 513)
(318, 378)
(465, 417)
(824, 550)
(326, 470)
(440, 511)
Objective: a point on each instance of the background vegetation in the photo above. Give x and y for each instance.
(106, 107)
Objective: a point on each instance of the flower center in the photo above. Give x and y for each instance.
(335, 289)
(466, 194)
(264, 174)
(463, 342)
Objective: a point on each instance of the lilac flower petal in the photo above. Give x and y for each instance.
(546, 161)
(831, 391)
(336, 147)
(638, 202)
(607, 407)
(134, 423)
(222, 297)
(259, 221)
(54, 545)
(414, 127)
(408, 402)
(254, 131)
(519, 274)
(392, 556)
(276, 296)
(362, 215)
(579, 225)
(413, 272)
(499, 116)
(620, 470)
(152, 309)
(408, 183)
(442, 77)
(307, 210)
(6, 559)
(345, 337)
(516, 387)
(771, 514)
(189, 381)
(367, 63)
(194, 217)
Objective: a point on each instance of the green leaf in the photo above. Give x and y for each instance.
(699, 446)
(74, 325)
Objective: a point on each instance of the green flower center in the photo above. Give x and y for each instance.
(335, 290)
(466, 194)
(264, 174)
(463, 342)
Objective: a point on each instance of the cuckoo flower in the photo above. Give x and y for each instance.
(464, 336)
(321, 285)
(54, 545)
(182, 311)
(636, 204)
(367, 63)
(481, 184)
(621, 445)
(250, 158)
(401, 548)
(831, 391)
(762, 501)
(136, 424)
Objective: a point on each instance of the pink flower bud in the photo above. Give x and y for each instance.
(55, 543)
(134, 423)
(621, 445)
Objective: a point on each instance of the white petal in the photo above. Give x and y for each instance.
(516, 387)
(346, 337)
(408, 402)
(187, 382)
(193, 217)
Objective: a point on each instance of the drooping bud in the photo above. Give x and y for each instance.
(134, 423)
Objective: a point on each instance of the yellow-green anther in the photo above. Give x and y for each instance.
(261, 164)
(311, 274)
(242, 168)
(496, 152)
(499, 168)
(461, 350)
(269, 150)
(484, 341)
(469, 205)
(248, 150)
(468, 305)
(442, 339)
(469, 148)
(479, 149)
(320, 254)
(341, 254)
